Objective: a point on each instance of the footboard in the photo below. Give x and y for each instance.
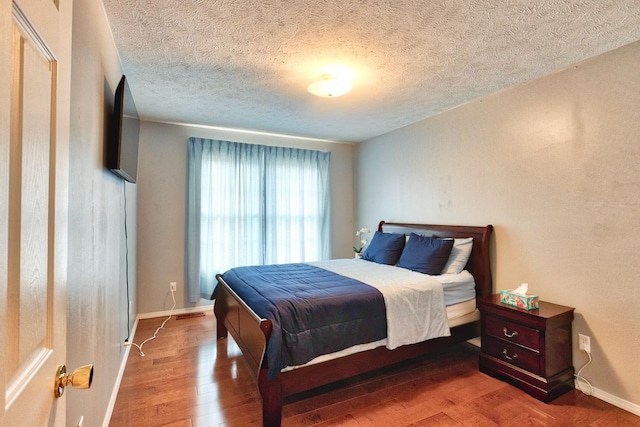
(251, 333)
(248, 330)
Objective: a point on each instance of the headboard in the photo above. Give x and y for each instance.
(479, 264)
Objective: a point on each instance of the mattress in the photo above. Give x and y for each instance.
(457, 314)
(457, 287)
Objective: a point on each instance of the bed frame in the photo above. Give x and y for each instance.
(251, 332)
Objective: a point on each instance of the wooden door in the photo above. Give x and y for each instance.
(35, 49)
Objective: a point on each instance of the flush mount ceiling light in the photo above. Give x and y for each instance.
(330, 86)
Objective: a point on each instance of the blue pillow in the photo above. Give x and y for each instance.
(426, 255)
(384, 248)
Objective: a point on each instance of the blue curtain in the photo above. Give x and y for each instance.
(252, 204)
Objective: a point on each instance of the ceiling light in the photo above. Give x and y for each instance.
(330, 86)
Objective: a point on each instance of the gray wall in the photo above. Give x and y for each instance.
(161, 205)
(553, 165)
(96, 292)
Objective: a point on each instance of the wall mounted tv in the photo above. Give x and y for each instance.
(124, 130)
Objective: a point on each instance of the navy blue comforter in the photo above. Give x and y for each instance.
(313, 311)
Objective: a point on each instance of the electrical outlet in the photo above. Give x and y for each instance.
(584, 343)
(172, 286)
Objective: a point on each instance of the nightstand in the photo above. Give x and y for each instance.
(528, 348)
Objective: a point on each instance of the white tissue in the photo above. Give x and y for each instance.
(522, 289)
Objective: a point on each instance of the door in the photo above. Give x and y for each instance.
(35, 60)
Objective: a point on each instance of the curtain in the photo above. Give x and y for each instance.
(252, 204)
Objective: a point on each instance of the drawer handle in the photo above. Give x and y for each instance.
(514, 334)
(506, 354)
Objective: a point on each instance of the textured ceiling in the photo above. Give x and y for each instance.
(247, 64)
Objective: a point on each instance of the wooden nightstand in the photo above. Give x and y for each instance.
(531, 349)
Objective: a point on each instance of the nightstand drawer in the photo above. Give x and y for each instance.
(512, 332)
(512, 354)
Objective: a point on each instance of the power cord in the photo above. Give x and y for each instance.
(126, 259)
(157, 330)
(579, 377)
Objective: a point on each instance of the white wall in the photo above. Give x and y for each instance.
(161, 205)
(553, 165)
(96, 291)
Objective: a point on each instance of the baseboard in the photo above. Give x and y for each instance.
(475, 341)
(597, 393)
(116, 386)
(127, 349)
(166, 313)
(614, 400)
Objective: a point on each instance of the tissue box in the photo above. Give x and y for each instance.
(528, 302)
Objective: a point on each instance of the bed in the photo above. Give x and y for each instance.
(253, 332)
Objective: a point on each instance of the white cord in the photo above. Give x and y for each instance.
(157, 330)
(581, 378)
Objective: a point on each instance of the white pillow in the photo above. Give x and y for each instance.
(459, 256)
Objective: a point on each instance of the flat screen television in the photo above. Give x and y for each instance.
(124, 131)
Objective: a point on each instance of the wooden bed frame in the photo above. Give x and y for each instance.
(251, 333)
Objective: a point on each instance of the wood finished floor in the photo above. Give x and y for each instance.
(188, 378)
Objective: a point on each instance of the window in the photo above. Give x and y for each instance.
(252, 204)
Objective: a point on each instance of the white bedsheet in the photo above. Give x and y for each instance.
(414, 301)
(457, 287)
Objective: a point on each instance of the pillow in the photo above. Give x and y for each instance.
(425, 254)
(384, 248)
(459, 256)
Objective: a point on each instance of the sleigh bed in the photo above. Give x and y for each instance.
(252, 332)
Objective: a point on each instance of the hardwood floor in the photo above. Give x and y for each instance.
(188, 378)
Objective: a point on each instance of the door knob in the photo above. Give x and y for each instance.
(80, 378)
